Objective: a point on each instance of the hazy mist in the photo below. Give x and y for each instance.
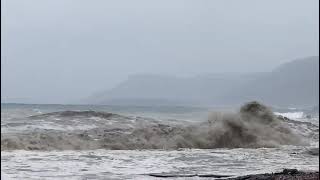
(59, 51)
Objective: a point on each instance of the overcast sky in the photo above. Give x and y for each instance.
(57, 51)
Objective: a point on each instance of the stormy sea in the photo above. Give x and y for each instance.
(133, 142)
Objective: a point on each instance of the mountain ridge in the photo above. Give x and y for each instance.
(295, 83)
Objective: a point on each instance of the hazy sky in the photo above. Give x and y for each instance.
(57, 51)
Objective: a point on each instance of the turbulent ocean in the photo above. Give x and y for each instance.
(127, 142)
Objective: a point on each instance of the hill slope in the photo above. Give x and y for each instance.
(292, 84)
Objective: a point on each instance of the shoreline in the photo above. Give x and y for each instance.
(292, 174)
(286, 174)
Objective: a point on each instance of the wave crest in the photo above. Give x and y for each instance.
(67, 114)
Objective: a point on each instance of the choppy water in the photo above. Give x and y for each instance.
(27, 129)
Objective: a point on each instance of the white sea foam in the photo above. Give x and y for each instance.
(124, 164)
(292, 115)
(300, 116)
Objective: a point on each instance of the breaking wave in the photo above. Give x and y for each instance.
(253, 126)
(292, 115)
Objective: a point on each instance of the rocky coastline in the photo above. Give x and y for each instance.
(286, 174)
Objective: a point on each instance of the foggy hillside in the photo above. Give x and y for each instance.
(291, 84)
